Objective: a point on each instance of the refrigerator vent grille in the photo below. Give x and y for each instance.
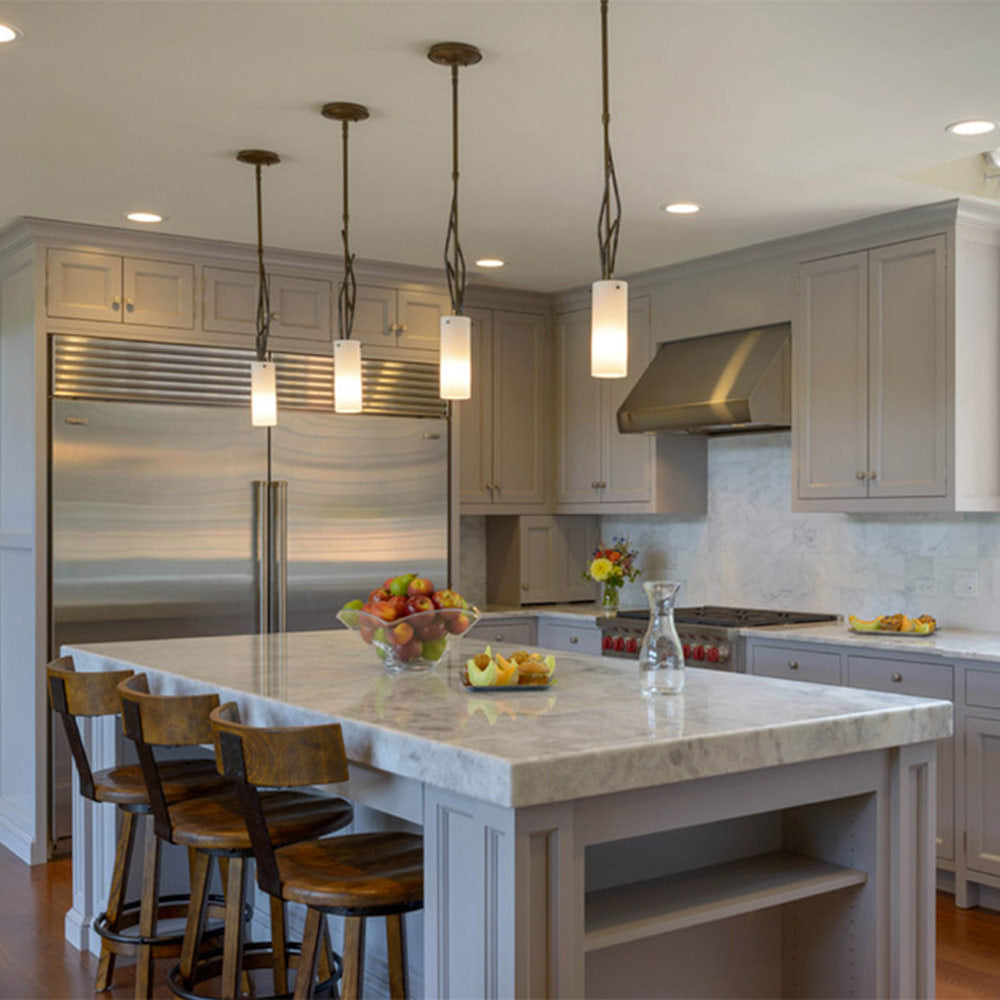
(140, 371)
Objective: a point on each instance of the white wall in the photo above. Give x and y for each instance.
(752, 550)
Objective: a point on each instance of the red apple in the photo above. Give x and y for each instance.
(420, 586)
(401, 634)
(447, 599)
(418, 603)
(399, 603)
(379, 594)
(459, 623)
(384, 610)
(431, 629)
(410, 651)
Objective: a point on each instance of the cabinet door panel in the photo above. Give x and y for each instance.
(580, 536)
(831, 363)
(908, 369)
(475, 416)
(302, 308)
(982, 764)
(229, 301)
(630, 457)
(159, 293)
(84, 285)
(541, 568)
(520, 425)
(419, 317)
(374, 316)
(578, 419)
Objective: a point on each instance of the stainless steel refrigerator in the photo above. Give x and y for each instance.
(171, 515)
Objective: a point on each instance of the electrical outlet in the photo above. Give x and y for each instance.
(967, 584)
(927, 587)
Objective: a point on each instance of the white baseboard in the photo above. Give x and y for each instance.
(77, 929)
(21, 842)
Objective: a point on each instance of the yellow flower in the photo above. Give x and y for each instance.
(601, 568)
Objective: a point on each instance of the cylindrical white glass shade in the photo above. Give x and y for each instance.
(347, 376)
(263, 394)
(609, 329)
(456, 357)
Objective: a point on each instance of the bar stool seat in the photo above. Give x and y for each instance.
(365, 872)
(216, 824)
(182, 779)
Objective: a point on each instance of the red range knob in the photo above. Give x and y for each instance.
(607, 642)
(687, 651)
(631, 646)
(698, 653)
(619, 644)
(712, 654)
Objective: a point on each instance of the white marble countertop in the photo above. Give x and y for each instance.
(591, 733)
(953, 643)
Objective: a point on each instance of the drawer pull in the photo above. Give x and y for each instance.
(573, 639)
(525, 586)
(896, 678)
(498, 637)
(793, 664)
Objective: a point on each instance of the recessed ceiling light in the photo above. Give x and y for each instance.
(490, 262)
(147, 217)
(971, 126)
(681, 208)
(8, 33)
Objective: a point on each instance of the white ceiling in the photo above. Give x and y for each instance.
(779, 117)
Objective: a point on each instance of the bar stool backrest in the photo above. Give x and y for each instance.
(251, 756)
(167, 721)
(74, 694)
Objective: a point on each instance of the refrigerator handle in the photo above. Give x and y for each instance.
(262, 553)
(279, 543)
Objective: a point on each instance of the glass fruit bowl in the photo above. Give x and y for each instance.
(410, 643)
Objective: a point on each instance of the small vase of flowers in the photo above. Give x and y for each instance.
(611, 566)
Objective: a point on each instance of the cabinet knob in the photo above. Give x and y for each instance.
(573, 639)
(595, 485)
(793, 664)
(116, 304)
(896, 678)
(393, 327)
(129, 306)
(871, 475)
(274, 316)
(525, 586)
(401, 327)
(860, 475)
(603, 485)
(498, 637)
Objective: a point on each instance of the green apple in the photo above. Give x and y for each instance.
(398, 584)
(434, 649)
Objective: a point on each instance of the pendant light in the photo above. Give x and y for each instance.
(609, 296)
(263, 381)
(456, 330)
(346, 352)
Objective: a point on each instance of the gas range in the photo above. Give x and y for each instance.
(710, 633)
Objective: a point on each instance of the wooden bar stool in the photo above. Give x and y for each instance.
(73, 694)
(213, 828)
(354, 876)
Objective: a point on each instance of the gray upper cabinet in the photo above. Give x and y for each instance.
(300, 307)
(598, 469)
(871, 349)
(504, 428)
(110, 288)
(399, 318)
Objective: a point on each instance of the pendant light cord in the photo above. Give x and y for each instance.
(349, 286)
(455, 267)
(263, 294)
(610, 216)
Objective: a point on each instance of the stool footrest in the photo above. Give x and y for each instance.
(170, 908)
(256, 955)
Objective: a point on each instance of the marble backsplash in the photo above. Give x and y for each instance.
(752, 550)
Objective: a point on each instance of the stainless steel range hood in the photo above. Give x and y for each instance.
(726, 383)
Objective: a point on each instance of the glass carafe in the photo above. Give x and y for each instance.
(661, 656)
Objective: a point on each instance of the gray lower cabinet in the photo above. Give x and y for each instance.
(982, 803)
(921, 680)
(795, 663)
(573, 637)
(517, 630)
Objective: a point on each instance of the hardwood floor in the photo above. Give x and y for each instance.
(37, 964)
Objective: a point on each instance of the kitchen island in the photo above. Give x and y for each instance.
(752, 837)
